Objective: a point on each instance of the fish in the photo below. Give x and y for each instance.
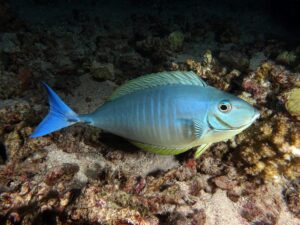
(165, 113)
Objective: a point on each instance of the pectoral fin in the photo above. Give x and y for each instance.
(200, 150)
(193, 128)
(161, 150)
(198, 128)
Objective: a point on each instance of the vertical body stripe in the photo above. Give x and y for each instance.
(154, 115)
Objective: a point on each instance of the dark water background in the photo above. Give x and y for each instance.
(277, 18)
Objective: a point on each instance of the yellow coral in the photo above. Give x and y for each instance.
(295, 138)
(270, 149)
(292, 104)
(263, 71)
(266, 129)
(287, 57)
(266, 151)
(207, 58)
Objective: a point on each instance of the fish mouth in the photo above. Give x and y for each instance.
(255, 116)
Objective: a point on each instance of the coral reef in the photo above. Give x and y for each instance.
(274, 153)
(209, 68)
(81, 175)
(270, 148)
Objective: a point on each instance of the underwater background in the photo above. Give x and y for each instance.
(86, 49)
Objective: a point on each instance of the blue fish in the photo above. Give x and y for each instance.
(165, 113)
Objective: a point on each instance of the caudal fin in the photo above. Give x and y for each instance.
(59, 116)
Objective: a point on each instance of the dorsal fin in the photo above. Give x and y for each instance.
(158, 79)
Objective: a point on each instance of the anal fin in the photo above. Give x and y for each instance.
(200, 150)
(161, 150)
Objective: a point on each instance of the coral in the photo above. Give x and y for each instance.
(292, 195)
(209, 69)
(268, 79)
(268, 150)
(253, 210)
(15, 117)
(272, 155)
(207, 58)
(287, 58)
(176, 39)
(292, 103)
(81, 175)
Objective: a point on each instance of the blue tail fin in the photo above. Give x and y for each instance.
(59, 116)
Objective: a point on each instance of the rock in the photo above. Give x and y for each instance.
(154, 48)
(256, 60)
(64, 62)
(235, 59)
(102, 72)
(224, 182)
(64, 172)
(293, 198)
(132, 63)
(233, 195)
(14, 111)
(9, 43)
(81, 167)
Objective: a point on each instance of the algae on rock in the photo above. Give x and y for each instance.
(176, 39)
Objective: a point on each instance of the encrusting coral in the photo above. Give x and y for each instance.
(292, 103)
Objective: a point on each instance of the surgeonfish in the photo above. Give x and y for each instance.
(165, 113)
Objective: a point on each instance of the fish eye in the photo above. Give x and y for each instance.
(225, 106)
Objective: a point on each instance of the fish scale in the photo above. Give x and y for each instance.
(165, 113)
(139, 124)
